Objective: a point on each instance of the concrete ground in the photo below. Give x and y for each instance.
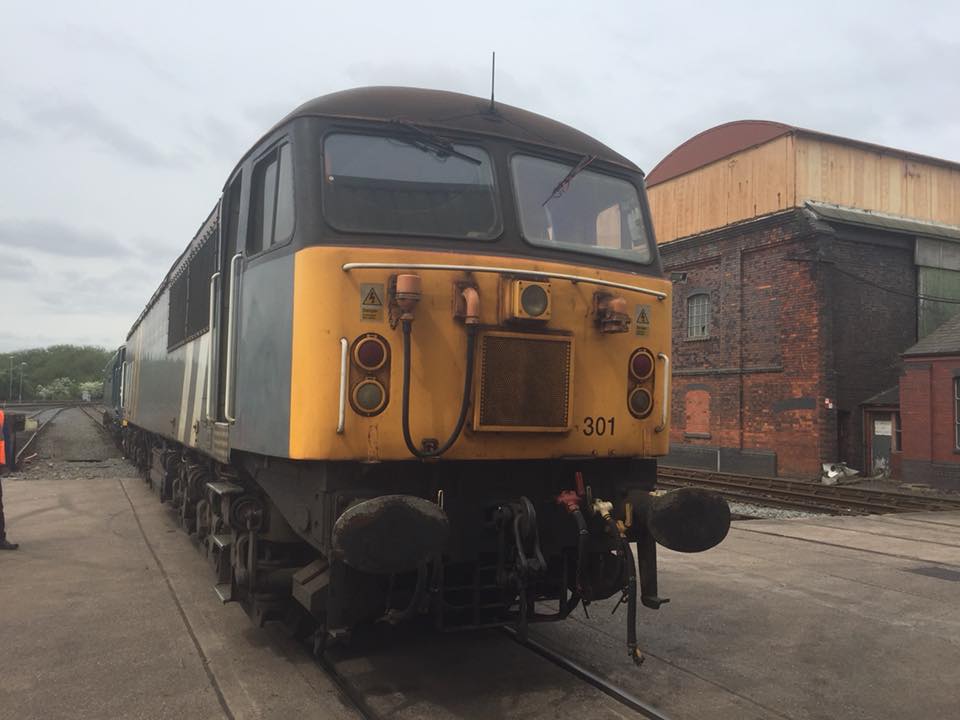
(811, 618)
(107, 611)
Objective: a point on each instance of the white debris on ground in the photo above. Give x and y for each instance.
(769, 513)
(838, 474)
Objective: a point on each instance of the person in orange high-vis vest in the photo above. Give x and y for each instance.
(4, 432)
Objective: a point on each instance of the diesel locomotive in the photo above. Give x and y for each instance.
(415, 362)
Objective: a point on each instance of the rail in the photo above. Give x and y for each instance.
(352, 695)
(36, 433)
(588, 676)
(355, 696)
(801, 495)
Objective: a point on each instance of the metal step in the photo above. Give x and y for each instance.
(222, 542)
(224, 591)
(224, 488)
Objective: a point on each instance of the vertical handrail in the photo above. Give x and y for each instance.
(231, 330)
(213, 297)
(666, 393)
(123, 377)
(342, 411)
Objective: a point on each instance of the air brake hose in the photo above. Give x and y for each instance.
(632, 647)
(583, 538)
(464, 402)
(629, 591)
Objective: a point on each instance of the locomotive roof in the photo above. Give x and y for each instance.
(455, 111)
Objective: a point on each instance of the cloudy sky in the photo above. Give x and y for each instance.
(119, 121)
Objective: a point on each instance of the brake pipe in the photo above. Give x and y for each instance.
(464, 402)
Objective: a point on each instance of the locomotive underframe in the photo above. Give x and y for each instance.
(515, 552)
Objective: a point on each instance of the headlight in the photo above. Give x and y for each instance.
(640, 402)
(534, 300)
(528, 300)
(369, 396)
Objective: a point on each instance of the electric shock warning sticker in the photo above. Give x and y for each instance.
(642, 319)
(371, 301)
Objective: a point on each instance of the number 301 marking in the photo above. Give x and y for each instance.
(597, 425)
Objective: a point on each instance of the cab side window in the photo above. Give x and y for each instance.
(271, 200)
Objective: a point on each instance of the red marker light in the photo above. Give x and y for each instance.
(641, 364)
(370, 353)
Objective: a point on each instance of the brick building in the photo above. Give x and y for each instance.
(929, 405)
(804, 265)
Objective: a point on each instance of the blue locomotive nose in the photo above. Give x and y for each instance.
(390, 534)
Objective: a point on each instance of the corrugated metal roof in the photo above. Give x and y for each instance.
(883, 221)
(945, 340)
(733, 137)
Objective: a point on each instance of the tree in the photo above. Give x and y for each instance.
(91, 390)
(62, 388)
(46, 366)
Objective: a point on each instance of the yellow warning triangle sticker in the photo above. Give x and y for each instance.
(372, 298)
(642, 317)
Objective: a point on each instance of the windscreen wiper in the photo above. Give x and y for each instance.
(561, 187)
(428, 142)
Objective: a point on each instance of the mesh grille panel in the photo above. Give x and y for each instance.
(176, 319)
(202, 266)
(524, 382)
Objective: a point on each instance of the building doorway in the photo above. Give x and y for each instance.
(879, 431)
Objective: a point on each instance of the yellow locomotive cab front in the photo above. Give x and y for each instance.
(543, 388)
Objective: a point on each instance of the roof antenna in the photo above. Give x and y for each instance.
(493, 79)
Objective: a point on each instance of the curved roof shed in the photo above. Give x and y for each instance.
(750, 168)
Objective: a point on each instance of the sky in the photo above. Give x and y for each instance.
(120, 121)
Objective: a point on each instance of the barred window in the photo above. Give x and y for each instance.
(698, 316)
(202, 266)
(177, 315)
(189, 309)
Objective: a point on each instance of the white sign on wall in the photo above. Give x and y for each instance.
(883, 427)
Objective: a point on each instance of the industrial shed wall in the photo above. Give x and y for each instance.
(789, 170)
(749, 396)
(807, 321)
(890, 183)
(745, 185)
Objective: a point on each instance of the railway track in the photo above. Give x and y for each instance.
(358, 700)
(85, 409)
(801, 495)
(50, 414)
(588, 676)
(44, 416)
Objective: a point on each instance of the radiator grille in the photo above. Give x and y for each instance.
(525, 382)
